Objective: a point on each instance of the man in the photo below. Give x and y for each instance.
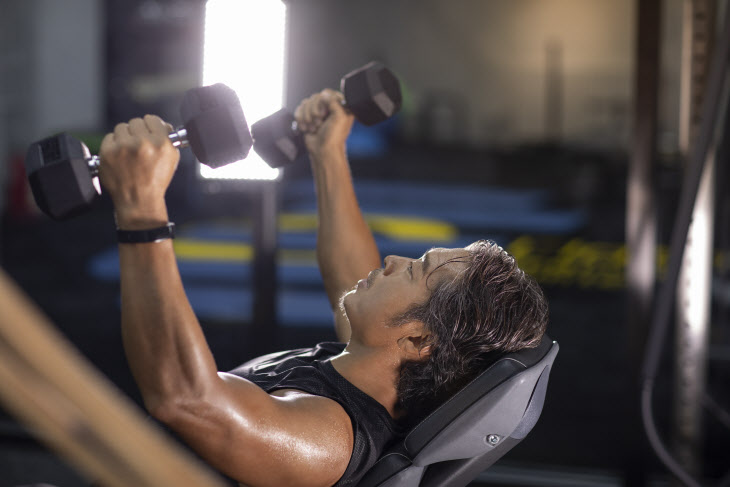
(415, 330)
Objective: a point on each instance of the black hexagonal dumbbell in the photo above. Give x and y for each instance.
(63, 174)
(372, 95)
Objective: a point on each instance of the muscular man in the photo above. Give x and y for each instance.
(412, 331)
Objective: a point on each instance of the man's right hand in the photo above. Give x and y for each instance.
(324, 122)
(137, 165)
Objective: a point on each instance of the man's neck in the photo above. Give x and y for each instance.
(373, 371)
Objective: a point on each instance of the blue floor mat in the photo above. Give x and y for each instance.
(219, 288)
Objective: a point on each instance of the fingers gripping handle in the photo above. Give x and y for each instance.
(179, 139)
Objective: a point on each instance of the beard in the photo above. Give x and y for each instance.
(341, 302)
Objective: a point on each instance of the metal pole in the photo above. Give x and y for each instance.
(641, 219)
(711, 121)
(695, 280)
(554, 91)
(264, 266)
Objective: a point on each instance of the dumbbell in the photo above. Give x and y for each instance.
(372, 95)
(63, 175)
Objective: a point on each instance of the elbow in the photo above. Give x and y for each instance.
(178, 410)
(180, 416)
(170, 410)
(163, 410)
(169, 404)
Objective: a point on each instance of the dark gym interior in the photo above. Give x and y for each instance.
(564, 130)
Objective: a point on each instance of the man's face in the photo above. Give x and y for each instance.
(388, 292)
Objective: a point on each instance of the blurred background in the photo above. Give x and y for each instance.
(523, 122)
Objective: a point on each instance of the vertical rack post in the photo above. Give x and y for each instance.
(265, 217)
(641, 218)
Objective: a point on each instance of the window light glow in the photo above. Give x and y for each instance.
(244, 48)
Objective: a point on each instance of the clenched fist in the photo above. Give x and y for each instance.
(137, 165)
(324, 122)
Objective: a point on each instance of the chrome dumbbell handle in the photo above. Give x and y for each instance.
(94, 162)
(179, 139)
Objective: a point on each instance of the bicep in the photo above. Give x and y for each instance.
(258, 439)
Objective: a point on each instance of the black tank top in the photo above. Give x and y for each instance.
(310, 370)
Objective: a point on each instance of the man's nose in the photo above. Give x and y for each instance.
(392, 263)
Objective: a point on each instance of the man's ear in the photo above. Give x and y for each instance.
(416, 342)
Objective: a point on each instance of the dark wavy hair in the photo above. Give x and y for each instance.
(491, 307)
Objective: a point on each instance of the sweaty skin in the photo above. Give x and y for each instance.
(249, 435)
(288, 437)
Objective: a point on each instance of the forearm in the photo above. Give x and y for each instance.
(165, 346)
(346, 249)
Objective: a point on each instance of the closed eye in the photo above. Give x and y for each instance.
(410, 269)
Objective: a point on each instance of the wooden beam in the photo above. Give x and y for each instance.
(48, 385)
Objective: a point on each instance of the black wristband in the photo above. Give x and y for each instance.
(146, 236)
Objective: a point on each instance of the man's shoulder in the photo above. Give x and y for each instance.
(298, 433)
(312, 407)
(328, 426)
